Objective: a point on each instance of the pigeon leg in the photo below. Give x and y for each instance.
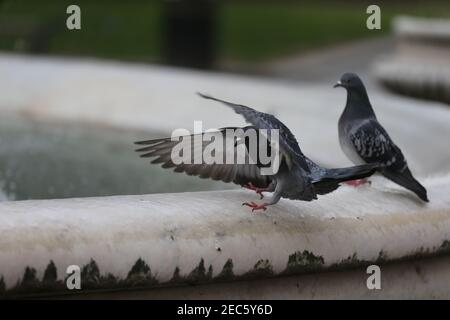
(259, 191)
(263, 206)
(357, 182)
(255, 206)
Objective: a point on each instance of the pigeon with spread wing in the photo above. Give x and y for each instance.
(297, 177)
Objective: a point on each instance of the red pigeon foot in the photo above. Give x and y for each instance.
(357, 182)
(256, 206)
(259, 191)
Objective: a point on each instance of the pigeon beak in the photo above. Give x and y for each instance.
(338, 84)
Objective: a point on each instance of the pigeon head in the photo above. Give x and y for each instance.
(350, 81)
(358, 104)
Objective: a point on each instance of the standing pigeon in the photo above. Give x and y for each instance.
(364, 140)
(297, 178)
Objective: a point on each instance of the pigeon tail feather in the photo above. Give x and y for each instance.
(332, 178)
(406, 180)
(350, 173)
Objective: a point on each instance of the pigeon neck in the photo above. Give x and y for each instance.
(358, 104)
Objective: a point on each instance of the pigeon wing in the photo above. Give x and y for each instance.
(241, 174)
(373, 145)
(262, 120)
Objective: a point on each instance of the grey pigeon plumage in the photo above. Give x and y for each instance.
(364, 140)
(298, 177)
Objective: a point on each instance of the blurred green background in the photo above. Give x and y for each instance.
(245, 31)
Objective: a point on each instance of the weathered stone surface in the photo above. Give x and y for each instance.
(124, 241)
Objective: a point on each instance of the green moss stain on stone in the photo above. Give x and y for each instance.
(50, 280)
(382, 257)
(305, 261)
(2, 286)
(262, 268)
(109, 281)
(199, 273)
(210, 273)
(28, 283)
(445, 247)
(352, 261)
(176, 278)
(90, 275)
(227, 271)
(29, 279)
(139, 269)
(140, 275)
(50, 274)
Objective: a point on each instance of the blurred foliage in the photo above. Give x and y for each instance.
(248, 31)
(271, 29)
(110, 29)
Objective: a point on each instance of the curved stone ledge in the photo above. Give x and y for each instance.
(420, 65)
(147, 241)
(413, 77)
(422, 28)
